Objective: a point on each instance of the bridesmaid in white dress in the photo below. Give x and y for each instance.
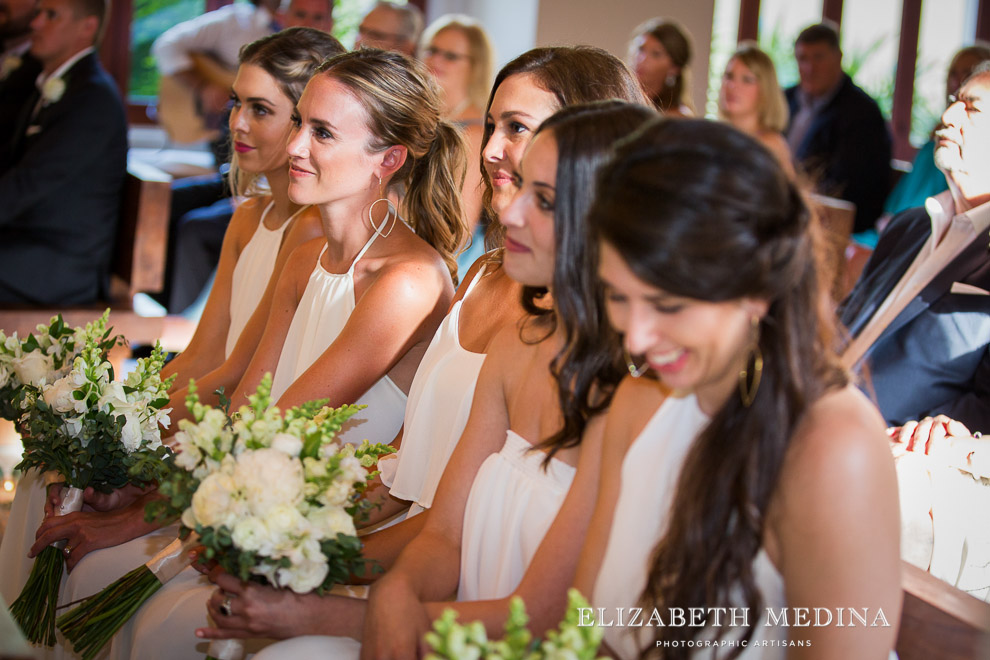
(494, 529)
(747, 471)
(262, 233)
(526, 91)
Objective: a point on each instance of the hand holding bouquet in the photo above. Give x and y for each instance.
(91, 430)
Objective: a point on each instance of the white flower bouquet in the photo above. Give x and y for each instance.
(92, 431)
(570, 641)
(271, 497)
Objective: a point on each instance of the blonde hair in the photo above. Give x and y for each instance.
(403, 106)
(291, 57)
(481, 52)
(772, 113)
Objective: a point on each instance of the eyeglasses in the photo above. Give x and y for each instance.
(447, 55)
(369, 34)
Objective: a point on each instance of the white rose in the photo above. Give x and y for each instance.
(32, 368)
(337, 493)
(130, 435)
(304, 577)
(329, 521)
(284, 520)
(189, 518)
(214, 503)
(251, 534)
(59, 396)
(287, 444)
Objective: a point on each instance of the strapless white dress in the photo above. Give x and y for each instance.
(650, 471)
(438, 409)
(252, 272)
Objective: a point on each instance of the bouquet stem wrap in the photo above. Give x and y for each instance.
(34, 609)
(91, 625)
(225, 649)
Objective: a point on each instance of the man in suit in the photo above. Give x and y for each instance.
(920, 313)
(18, 69)
(60, 199)
(836, 133)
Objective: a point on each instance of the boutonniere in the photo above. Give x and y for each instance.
(9, 65)
(52, 90)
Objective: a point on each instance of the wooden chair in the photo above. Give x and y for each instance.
(835, 217)
(940, 621)
(138, 266)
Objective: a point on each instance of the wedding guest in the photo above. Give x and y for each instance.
(68, 160)
(837, 134)
(751, 100)
(268, 226)
(390, 26)
(526, 91)
(919, 316)
(459, 54)
(536, 420)
(735, 475)
(659, 53)
(18, 68)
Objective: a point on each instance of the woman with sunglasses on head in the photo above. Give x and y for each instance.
(263, 232)
(459, 54)
(747, 472)
(527, 91)
(535, 429)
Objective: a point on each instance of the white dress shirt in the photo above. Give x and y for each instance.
(220, 33)
(950, 235)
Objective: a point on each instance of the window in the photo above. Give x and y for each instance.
(150, 19)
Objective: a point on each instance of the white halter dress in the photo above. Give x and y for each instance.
(252, 273)
(321, 315)
(439, 404)
(512, 504)
(650, 471)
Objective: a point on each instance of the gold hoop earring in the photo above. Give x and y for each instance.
(389, 211)
(749, 385)
(634, 371)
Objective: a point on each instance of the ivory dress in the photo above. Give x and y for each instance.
(164, 627)
(650, 471)
(439, 404)
(513, 502)
(252, 273)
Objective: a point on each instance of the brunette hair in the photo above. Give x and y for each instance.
(98, 8)
(291, 57)
(772, 106)
(697, 209)
(573, 74)
(676, 42)
(481, 52)
(825, 32)
(403, 106)
(589, 365)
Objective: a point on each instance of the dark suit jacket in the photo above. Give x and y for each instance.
(847, 151)
(15, 90)
(60, 201)
(933, 358)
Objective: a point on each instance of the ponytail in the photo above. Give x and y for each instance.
(433, 195)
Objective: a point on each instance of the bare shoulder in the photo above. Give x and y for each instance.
(633, 405)
(246, 217)
(305, 227)
(303, 258)
(412, 274)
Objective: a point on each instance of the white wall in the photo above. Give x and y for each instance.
(515, 26)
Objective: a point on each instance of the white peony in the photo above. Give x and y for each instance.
(214, 503)
(329, 521)
(252, 535)
(59, 395)
(284, 520)
(269, 477)
(337, 493)
(33, 368)
(287, 444)
(304, 577)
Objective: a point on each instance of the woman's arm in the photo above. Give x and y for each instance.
(205, 351)
(834, 527)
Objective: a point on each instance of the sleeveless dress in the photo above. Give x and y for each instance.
(650, 471)
(321, 315)
(512, 504)
(252, 272)
(439, 404)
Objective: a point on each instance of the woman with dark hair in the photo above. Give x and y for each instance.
(527, 90)
(748, 473)
(536, 421)
(659, 53)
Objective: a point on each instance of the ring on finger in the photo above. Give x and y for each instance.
(225, 606)
(67, 550)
